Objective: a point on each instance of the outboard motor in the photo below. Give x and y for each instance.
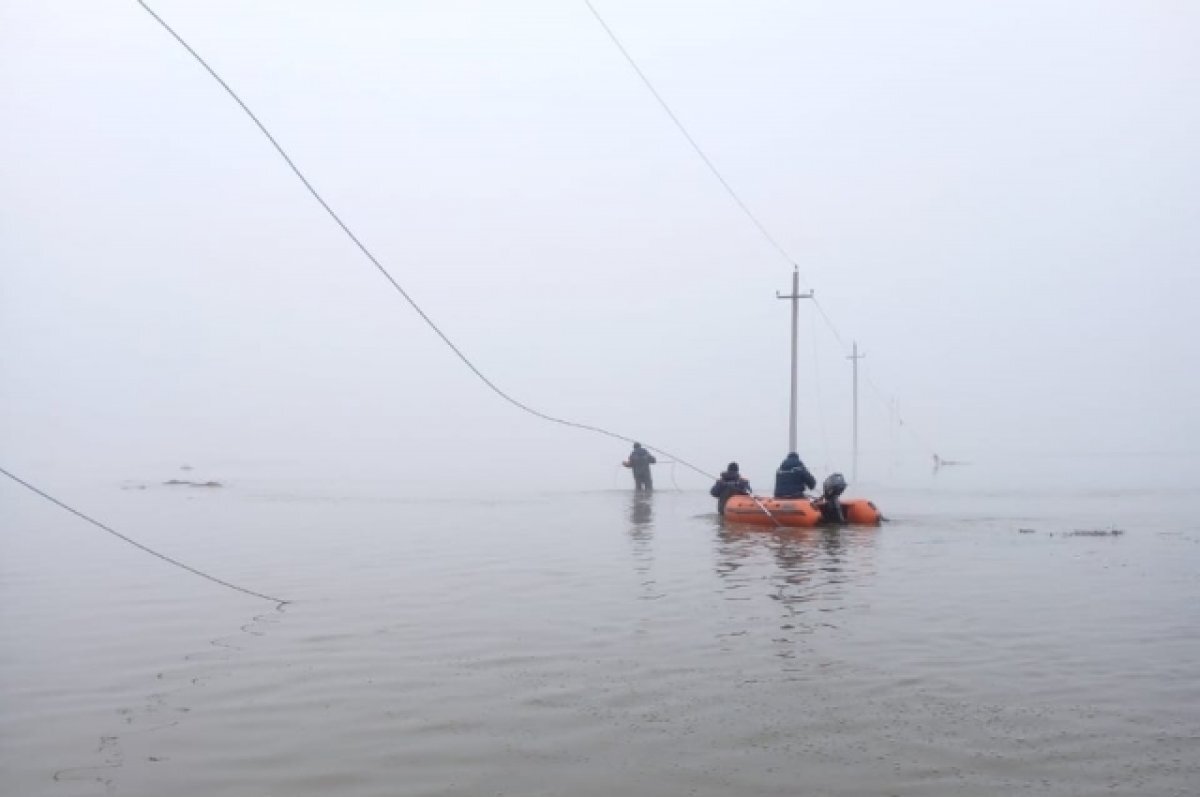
(833, 486)
(830, 505)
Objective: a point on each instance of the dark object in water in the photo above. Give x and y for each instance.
(1094, 533)
(185, 483)
(939, 463)
(1026, 531)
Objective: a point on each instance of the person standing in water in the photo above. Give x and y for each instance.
(728, 484)
(640, 461)
(792, 478)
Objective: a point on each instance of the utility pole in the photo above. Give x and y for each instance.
(795, 296)
(854, 358)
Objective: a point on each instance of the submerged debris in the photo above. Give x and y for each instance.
(1109, 532)
(1094, 533)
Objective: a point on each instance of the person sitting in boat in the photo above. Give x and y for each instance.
(640, 461)
(728, 484)
(829, 504)
(792, 478)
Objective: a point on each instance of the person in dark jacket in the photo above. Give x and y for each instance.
(640, 461)
(792, 478)
(729, 483)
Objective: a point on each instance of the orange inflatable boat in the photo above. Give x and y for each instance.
(796, 512)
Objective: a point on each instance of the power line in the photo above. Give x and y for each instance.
(816, 382)
(716, 172)
(137, 544)
(829, 323)
(758, 224)
(692, 141)
(384, 272)
(890, 403)
(766, 234)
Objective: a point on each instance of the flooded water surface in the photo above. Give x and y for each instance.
(598, 644)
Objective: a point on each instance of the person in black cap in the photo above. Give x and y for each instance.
(729, 483)
(640, 461)
(792, 478)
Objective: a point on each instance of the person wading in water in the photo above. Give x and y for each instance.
(640, 461)
(729, 483)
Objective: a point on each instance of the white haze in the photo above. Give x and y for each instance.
(997, 200)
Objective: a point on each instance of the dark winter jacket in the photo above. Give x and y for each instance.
(792, 478)
(640, 460)
(729, 483)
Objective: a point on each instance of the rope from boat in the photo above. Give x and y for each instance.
(388, 276)
(137, 544)
(763, 507)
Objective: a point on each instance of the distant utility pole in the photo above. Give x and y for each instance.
(854, 358)
(894, 417)
(795, 296)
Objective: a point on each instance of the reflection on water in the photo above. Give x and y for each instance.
(641, 534)
(807, 574)
(641, 509)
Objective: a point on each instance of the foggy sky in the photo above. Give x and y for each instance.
(997, 200)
